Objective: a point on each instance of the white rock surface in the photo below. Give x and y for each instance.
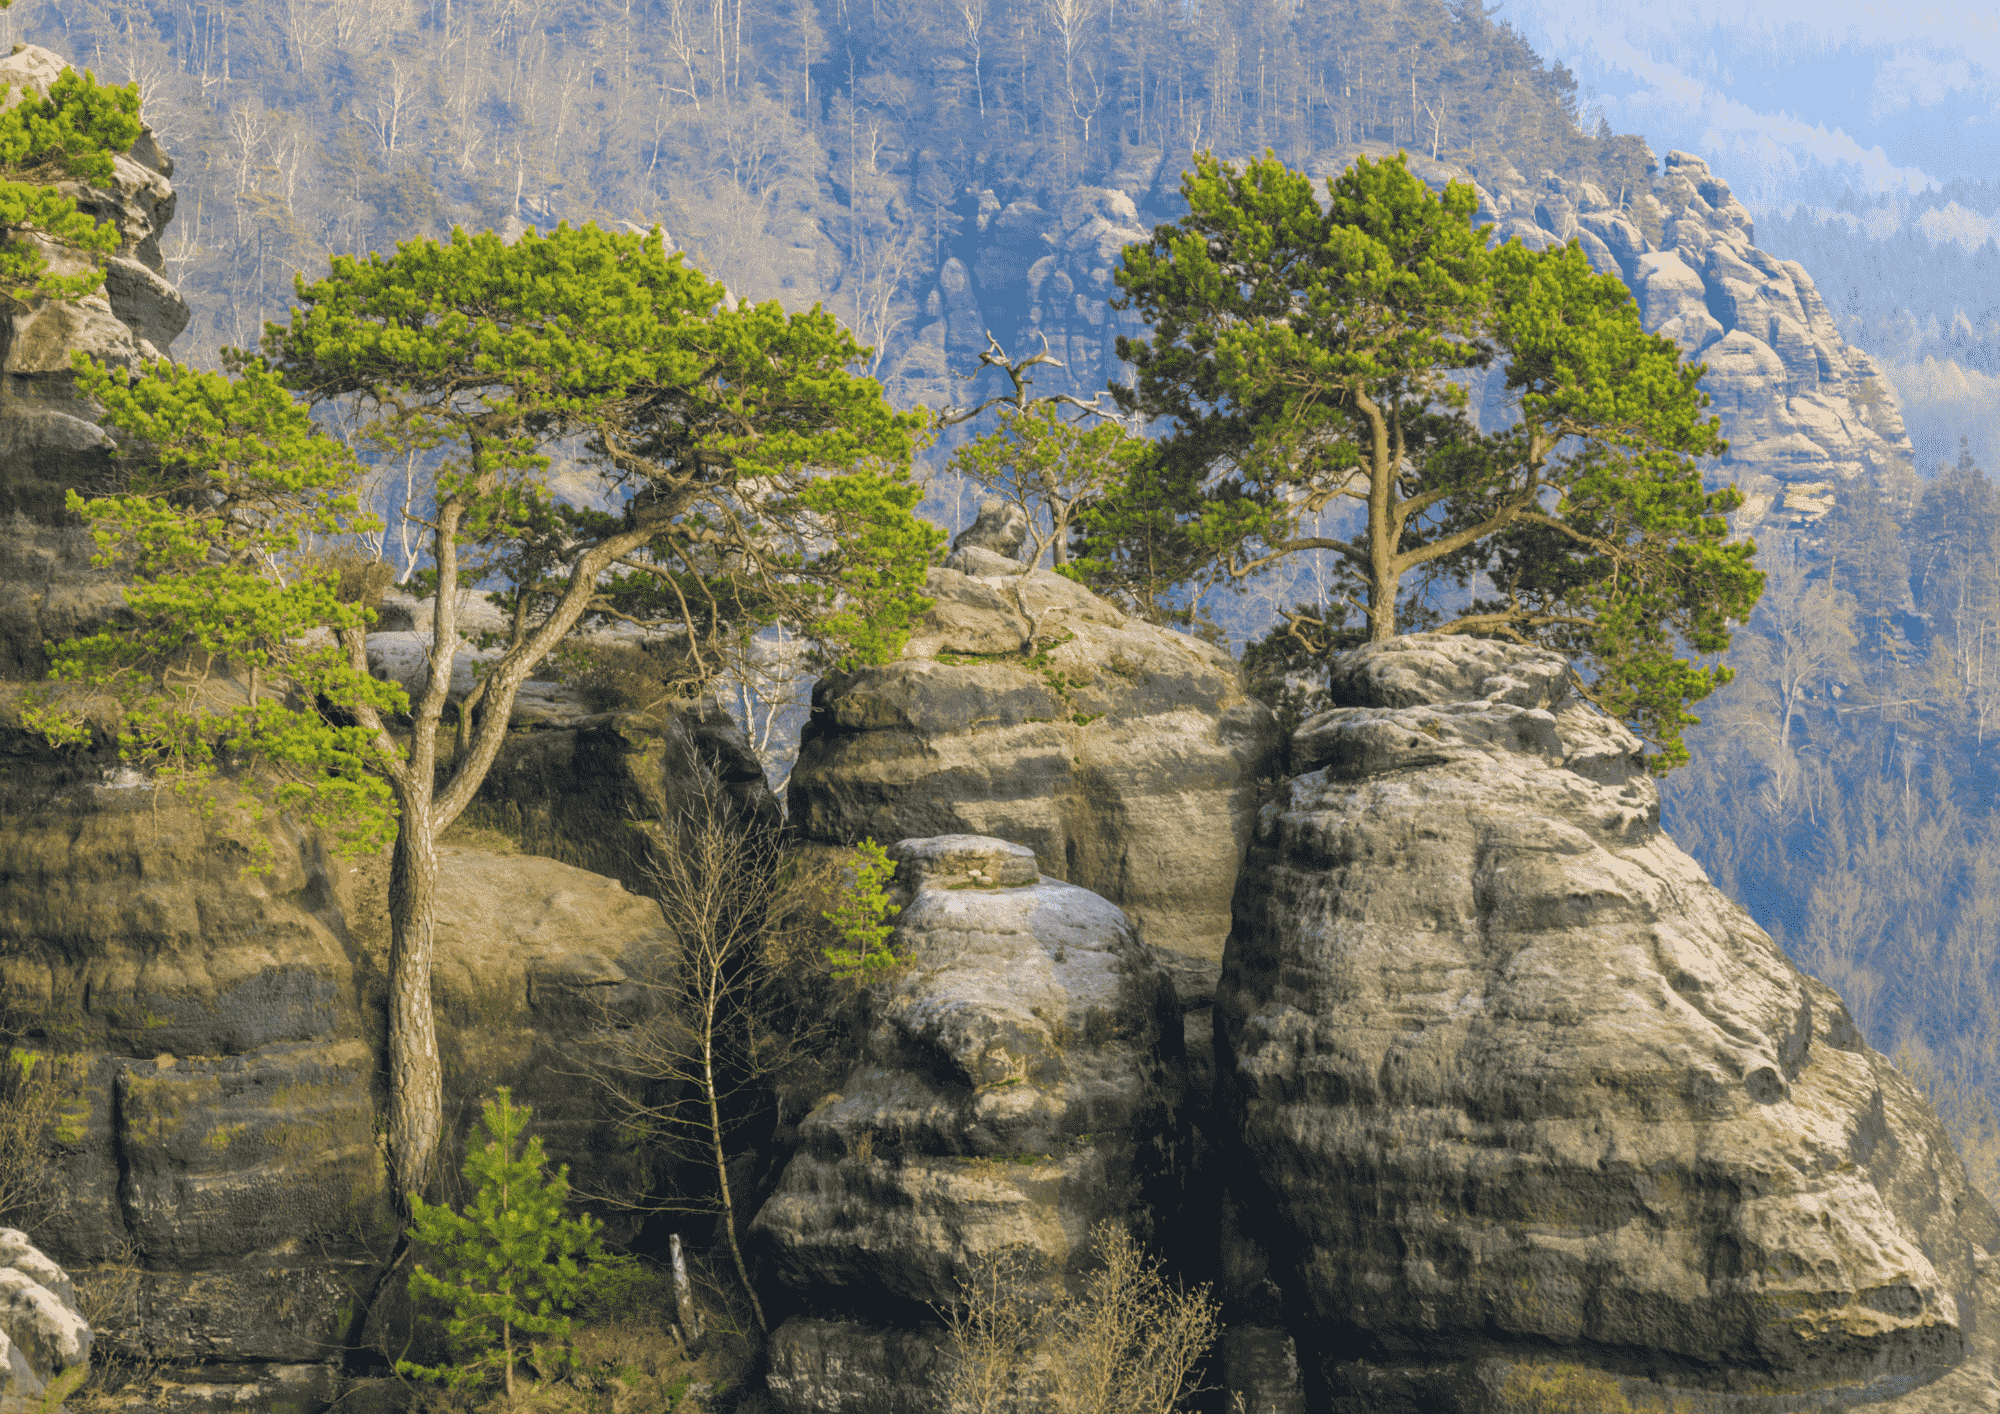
(42, 1333)
(1021, 1083)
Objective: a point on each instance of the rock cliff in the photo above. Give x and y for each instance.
(225, 1035)
(1126, 756)
(1522, 1103)
(1021, 1080)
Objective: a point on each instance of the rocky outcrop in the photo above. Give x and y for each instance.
(48, 440)
(42, 1333)
(1525, 1104)
(223, 1032)
(1126, 756)
(1021, 1080)
(1001, 527)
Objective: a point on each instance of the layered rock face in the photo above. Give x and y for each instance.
(1021, 1081)
(223, 1036)
(1126, 756)
(1525, 1105)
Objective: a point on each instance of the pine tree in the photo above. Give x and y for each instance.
(512, 1264)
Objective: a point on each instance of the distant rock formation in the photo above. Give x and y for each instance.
(1126, 756)
(1526, 1110)
(1022, 1081)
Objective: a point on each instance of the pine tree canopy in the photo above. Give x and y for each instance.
(1315, 355)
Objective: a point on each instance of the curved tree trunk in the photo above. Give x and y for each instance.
(416, 1083)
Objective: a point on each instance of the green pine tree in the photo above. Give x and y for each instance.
(512, 1264)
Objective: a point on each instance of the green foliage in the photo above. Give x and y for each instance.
(1315, 357)
(861, 915)
(70, 135)
(513, 1265)
(1050, 465)
(225, 658)
(770, 483)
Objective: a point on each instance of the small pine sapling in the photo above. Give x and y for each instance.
(862, 915)
(512, 1264)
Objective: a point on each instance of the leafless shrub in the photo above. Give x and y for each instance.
(33, 1087)
(737, 1005)
(1128, 1343)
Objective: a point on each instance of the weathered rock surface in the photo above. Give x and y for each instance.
(1001, 528)
(1525, 1104)
(599, 792)
(225, 1036)
(1021, 1081)
(1126, 756)
(42, 1333)
(48, 438)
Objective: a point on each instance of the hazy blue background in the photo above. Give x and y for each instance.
(1865, 139)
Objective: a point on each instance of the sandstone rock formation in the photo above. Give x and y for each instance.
(1126, 756)
(1525, 1104)
(42, 1333)
(48, 441)
(223, 1031)
(1001, 527)
(1021, 1081)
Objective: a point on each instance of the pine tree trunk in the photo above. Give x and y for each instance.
(416, 1087)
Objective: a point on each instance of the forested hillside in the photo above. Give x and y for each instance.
(1844, 786)
(826, 151)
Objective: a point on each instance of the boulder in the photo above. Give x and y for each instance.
(1021, 1080)
(42, 1332)
(1128, 757)
(1002, 528)
(1528, 1110)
